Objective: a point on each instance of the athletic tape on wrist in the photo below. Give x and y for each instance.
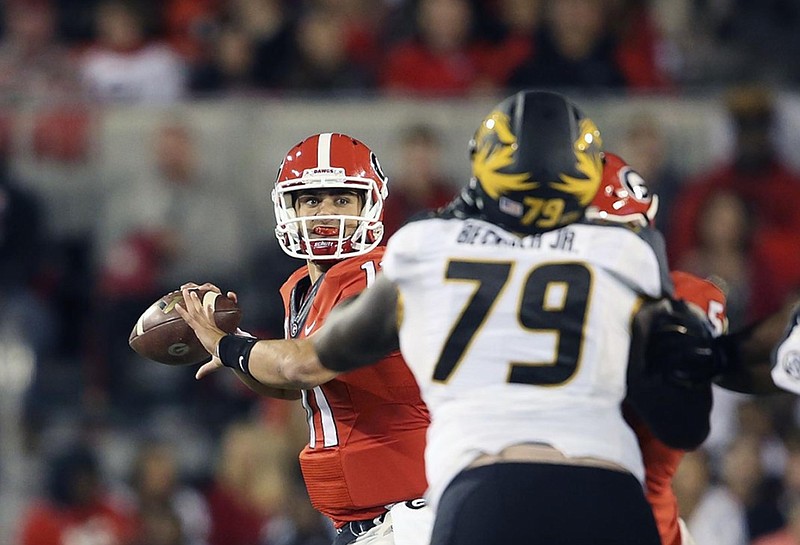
(234, 352)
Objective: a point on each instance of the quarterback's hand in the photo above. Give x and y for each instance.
(211, 287)
(208, 368)
(786, 358)
(201, 319)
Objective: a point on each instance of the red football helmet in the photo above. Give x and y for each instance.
(329, 161)
(623, 196)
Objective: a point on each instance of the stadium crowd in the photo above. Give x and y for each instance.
(124, 50)
(165, 459)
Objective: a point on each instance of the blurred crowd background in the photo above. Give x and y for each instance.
(138, 146)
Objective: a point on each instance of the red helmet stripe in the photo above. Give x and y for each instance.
(324, 150)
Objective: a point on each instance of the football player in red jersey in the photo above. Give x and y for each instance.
(623, 199)
(363, 465)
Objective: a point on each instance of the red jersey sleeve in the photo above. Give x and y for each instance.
(705, 295)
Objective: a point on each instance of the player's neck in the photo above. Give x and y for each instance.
(318, 268)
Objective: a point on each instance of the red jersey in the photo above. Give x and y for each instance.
(661, 461)
(367, 426)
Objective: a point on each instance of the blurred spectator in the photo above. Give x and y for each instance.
(125, 64)
(251, 50)
(160, 525)
(755, 418)
(76, 20)
(693, 54)
(642, 53)
(63, 133)
(714, 513)
(190, 26)
(157, 488)
(300, 523)
(743, 474)
(22, 228)
(260, 293)
(574, 48)
(763, 513)
(441, 59)
(321, 63)
(790, 533)
(592, 44)
(250, 485)
(781, 267)
(725, 234)
(228, 67)
(153, 232)
(420, 184)
(791, 477)
(76, 508)
(269, 27)
(692, 482)
(702, 502)
(756, 32)
(517, 22)
(756, 175)
(33, 330)
(33, 64)
(365, 22)
(647, 149)
(27, 317)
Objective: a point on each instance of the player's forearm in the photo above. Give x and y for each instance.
(749, 380)
(287, 364)
(264, 390)
(747, 355)
(360, 331)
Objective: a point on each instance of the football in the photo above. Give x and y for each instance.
(161, 335)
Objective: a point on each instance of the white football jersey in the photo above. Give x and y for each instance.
(521, 340)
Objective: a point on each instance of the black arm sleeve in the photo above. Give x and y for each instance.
(740, 374)
(748, 354)
(361, 330)
(670, 370)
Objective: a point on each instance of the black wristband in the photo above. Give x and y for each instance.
(234, 352)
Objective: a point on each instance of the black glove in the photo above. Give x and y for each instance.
(681, 348)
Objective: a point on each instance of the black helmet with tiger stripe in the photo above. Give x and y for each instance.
(536, 163)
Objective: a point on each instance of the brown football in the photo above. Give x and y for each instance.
(161, 335)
